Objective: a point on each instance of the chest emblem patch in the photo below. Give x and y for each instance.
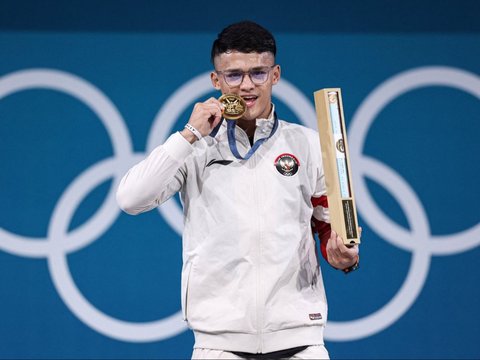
(287, 164)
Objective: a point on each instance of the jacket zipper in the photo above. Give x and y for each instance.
(259, 239)
(256, 212)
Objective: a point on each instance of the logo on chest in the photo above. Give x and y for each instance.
(287, 164)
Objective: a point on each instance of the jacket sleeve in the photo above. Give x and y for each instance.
(155, 179)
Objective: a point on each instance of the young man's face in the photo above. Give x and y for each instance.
(257, 96)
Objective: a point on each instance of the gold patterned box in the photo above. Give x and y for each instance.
(336, 164)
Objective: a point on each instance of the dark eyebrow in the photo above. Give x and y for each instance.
(260, 67)
(251, 69)
(233, 70)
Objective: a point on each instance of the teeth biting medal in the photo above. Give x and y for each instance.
(235, 106)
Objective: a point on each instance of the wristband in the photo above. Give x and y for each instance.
(352, 268)
(194, 131)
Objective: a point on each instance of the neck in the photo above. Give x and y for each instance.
(248, 126)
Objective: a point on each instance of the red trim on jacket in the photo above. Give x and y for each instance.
(322, 228)
(320, 201)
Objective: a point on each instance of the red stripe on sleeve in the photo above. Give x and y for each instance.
(320, 201)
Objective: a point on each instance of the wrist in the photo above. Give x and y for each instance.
(188, 135)
(354, 267)
(194, 131)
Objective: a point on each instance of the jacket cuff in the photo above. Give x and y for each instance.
(177, 147)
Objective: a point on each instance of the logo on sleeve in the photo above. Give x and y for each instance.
(287, 164)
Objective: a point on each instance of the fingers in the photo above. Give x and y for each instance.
(213, 100)
(339, 255)
(205, 116)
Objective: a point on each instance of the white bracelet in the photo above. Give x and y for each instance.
(194, 131)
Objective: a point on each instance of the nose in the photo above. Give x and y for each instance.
(247, 83)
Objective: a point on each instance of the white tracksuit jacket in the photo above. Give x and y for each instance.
(250, 279)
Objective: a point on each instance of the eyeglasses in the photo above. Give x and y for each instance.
(258, 75)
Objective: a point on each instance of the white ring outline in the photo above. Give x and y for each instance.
(65, 285)
(421, 244)
(368, 111)
(416, 276)
(106, 111)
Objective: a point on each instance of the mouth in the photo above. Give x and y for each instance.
(250, 99)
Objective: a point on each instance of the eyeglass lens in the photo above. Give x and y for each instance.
(257, 76)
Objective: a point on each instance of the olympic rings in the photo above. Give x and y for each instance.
(60, 242)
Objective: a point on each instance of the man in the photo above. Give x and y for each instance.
(252, 189)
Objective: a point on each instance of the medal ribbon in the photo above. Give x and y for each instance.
(232, 142)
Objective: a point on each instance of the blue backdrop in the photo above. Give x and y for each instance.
(83, 97)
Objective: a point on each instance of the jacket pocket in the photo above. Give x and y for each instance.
(185, 284)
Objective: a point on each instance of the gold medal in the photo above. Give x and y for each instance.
(235, 106)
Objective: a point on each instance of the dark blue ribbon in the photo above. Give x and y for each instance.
(232, 142)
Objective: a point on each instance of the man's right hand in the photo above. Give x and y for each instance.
(205, 116)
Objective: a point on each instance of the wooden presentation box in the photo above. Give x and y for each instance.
(336, 164)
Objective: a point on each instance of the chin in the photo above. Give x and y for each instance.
(249, 116)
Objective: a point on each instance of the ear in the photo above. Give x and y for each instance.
(277, 71)
(215, 80)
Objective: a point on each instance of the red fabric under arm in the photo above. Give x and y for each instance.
(322, 228)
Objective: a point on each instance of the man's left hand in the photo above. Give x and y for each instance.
(339, 255)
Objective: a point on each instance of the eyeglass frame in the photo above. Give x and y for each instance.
(245, 73)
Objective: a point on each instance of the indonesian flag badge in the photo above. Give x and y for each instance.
(287, 164)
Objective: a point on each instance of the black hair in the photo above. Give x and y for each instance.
(244, 37)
